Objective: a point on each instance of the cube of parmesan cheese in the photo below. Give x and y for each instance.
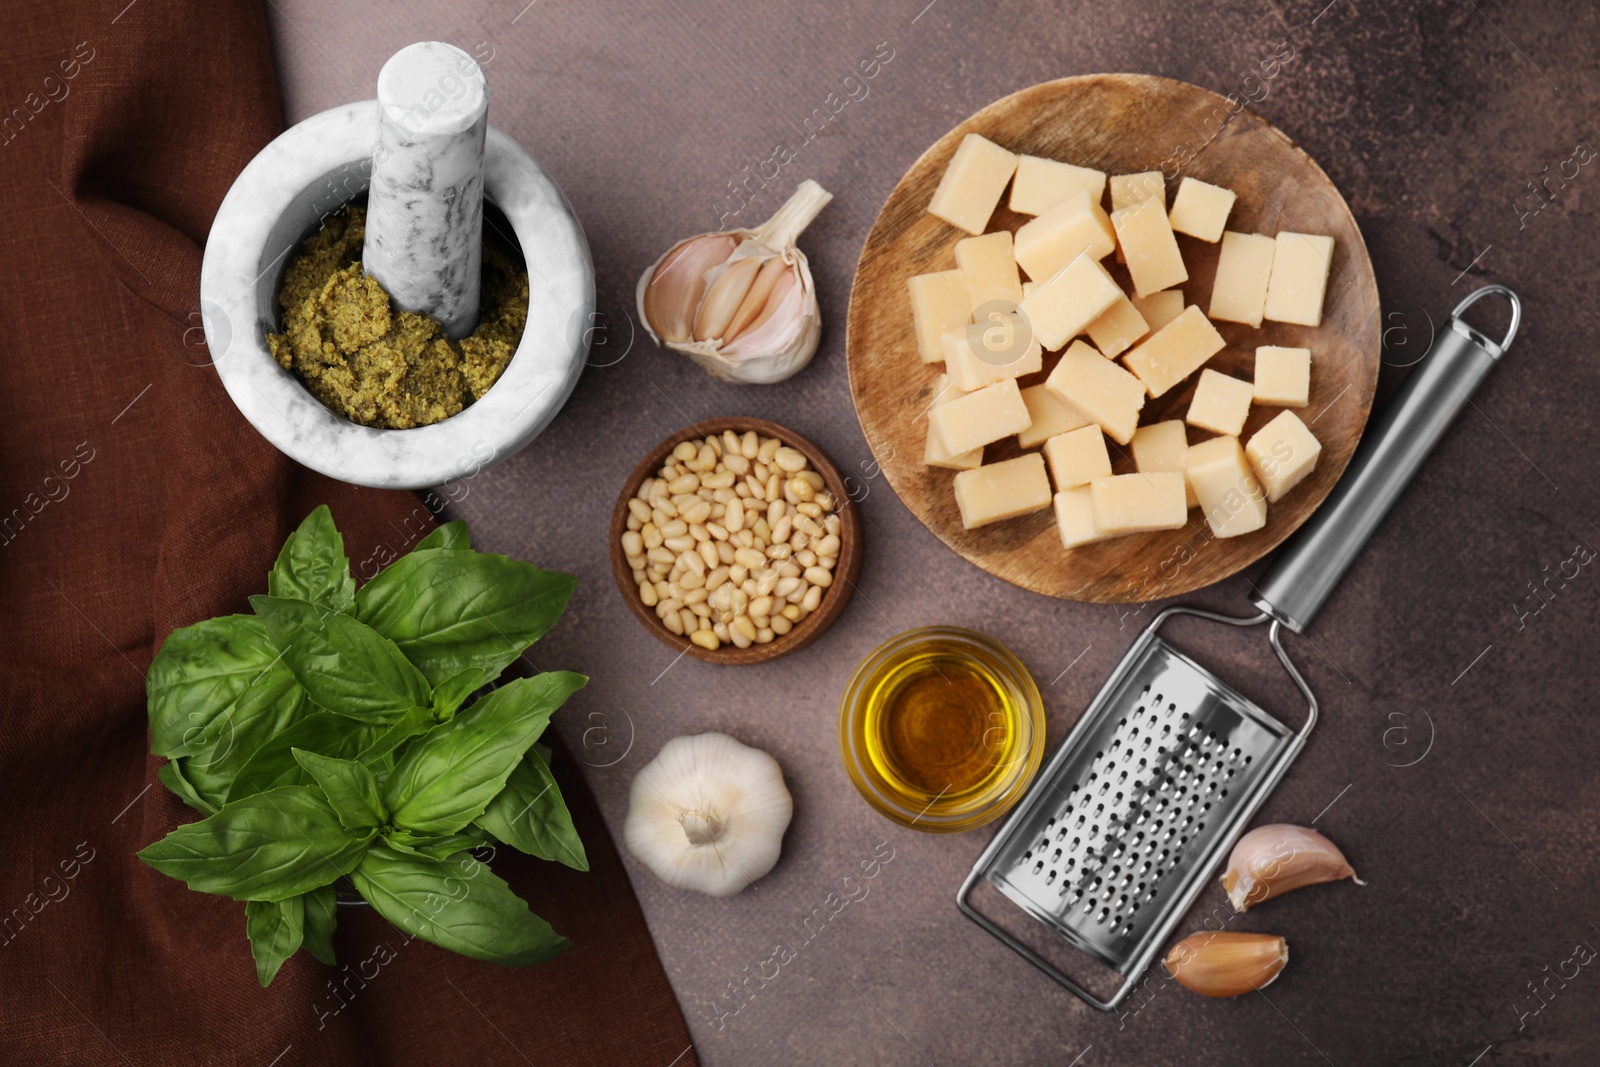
(1163, 447)
(1075, 517)
(933, 454)
(1117, 327)
(1107, 395)
(1051, 416)
(972, 183)
(979, 418)
(1130, 189)
(938, 303)
(1282, 453)
(1160, 308)
(1138, 503)
(1041, 184)
(997, 491)
(1060, 307)
(988, 266)
(1201, 209)
(1077, 457)
(986, 352)
(1300, 263)
(1221, 403)
(1145, 236)
(1074, 227)
(1175, 351)
(1230, 496)
(1283, 376)
(1244, 266)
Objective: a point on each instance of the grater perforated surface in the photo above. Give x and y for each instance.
(1141, 804)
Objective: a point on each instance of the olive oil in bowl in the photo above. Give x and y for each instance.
(941, 729)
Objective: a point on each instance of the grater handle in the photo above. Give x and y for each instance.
(1311, 564)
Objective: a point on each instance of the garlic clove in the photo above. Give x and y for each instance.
(1226, 964)
(708, 814)
(740, 289)
(1271, 860)
(780, 318)
(724, 295)
(755, 301)
(678, 282)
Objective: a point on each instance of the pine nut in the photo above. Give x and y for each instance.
(649, 536)
(694, 596)
(717, 530)
(750, 558)
(692, 580)
(743, 625)
(767, 581)
(632, 543)
(813, 598)
(769, 448)
(687, 484)
(738, 573)
(761, 605)
(639, 509)
(749, 445)
(647, 595)
(790, 460)
(781, 625)
(806, 558)
(791, 612)
(698, 512)
(684, 451)
(813, 479)
(828, 546)
(673, 623)
(800, 488)
(699, 532)
(764, 635)
(786, 586)
(736, 463)
(705, 639)
(679, 544)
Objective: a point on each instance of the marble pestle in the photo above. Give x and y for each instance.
(424, 240)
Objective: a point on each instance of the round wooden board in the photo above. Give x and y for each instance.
(1121, 124)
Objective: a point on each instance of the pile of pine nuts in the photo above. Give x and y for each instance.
(733, 541)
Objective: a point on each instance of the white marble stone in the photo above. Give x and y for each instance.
(279, 199)
(424, 239)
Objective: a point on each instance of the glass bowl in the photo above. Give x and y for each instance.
(941, 729)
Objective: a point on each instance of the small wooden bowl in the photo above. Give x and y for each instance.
(834, 598)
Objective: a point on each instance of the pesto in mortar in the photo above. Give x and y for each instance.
(377, 366)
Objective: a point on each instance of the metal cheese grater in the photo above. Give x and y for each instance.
(1140, 803)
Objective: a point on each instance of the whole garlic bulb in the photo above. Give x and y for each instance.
(741, 303)
(708, 813)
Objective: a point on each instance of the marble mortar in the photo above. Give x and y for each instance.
(280, 198)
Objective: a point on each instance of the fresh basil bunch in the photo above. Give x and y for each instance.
(330, 735)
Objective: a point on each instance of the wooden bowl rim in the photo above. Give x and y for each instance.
(834, 598)
(945, 146)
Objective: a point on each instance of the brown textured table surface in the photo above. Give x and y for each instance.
(1456, 758)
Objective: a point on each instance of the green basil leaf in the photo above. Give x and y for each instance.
(321, 732)
(214, 683)
(276, 929)
(449, 610)
(448, 776)
(267, 846)
(380, 752)
(212, 772)
(450, 694)
(171, 776)
(346, 666)
(349, 787)
(458, 904)
(452, 535)
(322, 916)
(530, 816)
(435, 846)
(312, 565)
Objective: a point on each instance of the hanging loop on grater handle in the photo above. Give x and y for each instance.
(1317, 556)
(1124, 827)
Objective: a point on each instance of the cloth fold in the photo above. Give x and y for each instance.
(134, 499)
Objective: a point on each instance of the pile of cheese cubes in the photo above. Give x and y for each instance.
(989, 328)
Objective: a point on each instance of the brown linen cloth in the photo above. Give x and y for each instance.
(133, 500)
